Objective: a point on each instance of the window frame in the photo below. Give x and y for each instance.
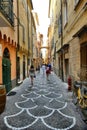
(76, 3)
(65, 12)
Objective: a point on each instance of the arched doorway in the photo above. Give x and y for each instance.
(6, 69)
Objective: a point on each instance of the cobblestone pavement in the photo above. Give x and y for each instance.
(47, 105)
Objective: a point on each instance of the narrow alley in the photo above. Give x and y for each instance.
(43, 35)
(47, 105)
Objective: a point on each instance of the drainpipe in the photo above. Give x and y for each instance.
(28, 36)
(62, 76)
(17, 40)
(18, 24)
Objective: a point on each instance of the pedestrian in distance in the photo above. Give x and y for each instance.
(43, 68)
(38, 68)
(32, 73)
(50, 68)
(48, 71)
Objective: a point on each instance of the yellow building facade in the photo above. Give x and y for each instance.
(70, 39)
(22, 51)
(75, 39)
(16, 41)
(26, 31)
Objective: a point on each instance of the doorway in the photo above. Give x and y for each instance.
(83, 69)
(6, 70)
(66, 69)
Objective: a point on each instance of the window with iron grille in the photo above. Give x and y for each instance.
(6, 8)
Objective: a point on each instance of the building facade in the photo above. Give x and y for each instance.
(70, 39)
(75, 39)
(24, 20)
(16, 41)
(8, 43)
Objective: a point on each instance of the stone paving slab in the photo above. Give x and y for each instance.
(47, 105)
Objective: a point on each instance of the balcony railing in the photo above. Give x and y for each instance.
(6, 8)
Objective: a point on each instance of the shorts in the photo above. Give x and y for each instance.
(47, 71)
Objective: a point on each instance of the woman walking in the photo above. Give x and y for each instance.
(32, 73)
(47, 72)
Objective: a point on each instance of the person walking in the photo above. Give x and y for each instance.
(48, 72)
(43, 68)
(38, 68)
(32, 73)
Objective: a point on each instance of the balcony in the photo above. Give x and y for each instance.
(6, 13)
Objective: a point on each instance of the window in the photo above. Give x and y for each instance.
(6, 8)
(52, 46)
(76, 2)
(24, 5)
(59, 26)
(65, 13)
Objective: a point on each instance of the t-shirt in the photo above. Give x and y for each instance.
(43, 67)
(32, 72)
(49, 65)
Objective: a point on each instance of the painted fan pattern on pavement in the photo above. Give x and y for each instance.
(40, 109)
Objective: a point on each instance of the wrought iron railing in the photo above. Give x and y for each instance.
(6, 8)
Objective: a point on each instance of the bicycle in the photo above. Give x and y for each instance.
(79, 97)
